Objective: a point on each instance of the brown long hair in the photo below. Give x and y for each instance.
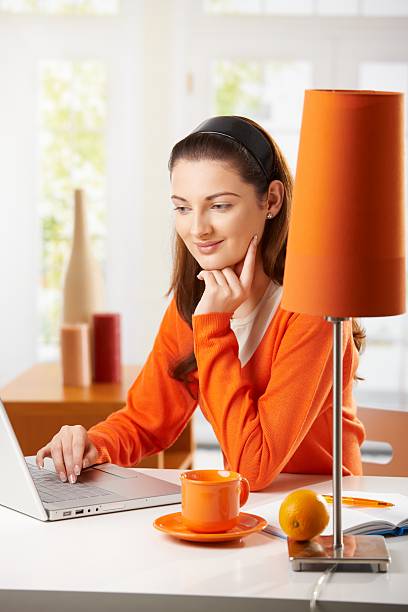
(185, 285)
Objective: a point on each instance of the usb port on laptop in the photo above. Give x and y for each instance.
(79, 511)
(67, 513)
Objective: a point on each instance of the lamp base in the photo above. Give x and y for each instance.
(360, 553)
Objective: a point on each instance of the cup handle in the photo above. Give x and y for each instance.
(244, 484)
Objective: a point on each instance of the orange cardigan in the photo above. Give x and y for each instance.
(273, 415)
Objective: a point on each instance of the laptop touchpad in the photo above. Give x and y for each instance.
(116, 470)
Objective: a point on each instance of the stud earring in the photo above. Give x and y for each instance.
(269, 215)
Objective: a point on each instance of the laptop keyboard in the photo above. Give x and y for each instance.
(52, 489)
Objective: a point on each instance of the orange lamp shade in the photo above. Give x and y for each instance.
(346, 247)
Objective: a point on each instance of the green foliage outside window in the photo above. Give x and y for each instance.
(237, 87)
(72, 154)
(61, 7)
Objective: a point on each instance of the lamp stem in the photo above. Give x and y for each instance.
(337, 431)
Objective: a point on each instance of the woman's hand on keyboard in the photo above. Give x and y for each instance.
(71, 450)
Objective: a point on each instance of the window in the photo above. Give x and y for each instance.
(72, 98)
(385, 359)
(72, 154)
(270, 92)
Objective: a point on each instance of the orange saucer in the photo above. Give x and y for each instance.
(173, 525)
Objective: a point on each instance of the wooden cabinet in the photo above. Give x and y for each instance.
(38, 405)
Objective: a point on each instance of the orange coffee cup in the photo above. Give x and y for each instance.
(211, 499)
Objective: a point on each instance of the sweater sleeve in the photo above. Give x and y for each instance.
(158, 407)
(258, 437)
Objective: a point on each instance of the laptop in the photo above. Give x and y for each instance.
(100, 489)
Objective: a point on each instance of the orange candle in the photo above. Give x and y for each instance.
(75, 354)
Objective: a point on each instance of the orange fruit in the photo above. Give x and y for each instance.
(303, 514)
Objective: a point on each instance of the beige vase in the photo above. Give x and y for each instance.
(83, 286)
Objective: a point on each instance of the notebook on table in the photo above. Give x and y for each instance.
(356, 520)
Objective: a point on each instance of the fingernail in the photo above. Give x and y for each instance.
(63, 477)
(41, 467)
(72, 479)
(199, 276)
(255, 239)
(85, 463)
(77, 470)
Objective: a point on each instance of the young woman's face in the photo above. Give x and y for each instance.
(216, 213)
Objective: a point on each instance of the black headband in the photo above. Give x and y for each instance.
(245, 134)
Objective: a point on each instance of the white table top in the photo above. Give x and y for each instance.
(123, 553)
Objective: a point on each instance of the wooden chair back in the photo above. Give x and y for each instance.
(386, 426)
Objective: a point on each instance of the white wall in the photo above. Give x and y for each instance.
(18, 222)
(140, 254)
(158, 137)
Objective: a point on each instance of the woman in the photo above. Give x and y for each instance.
(261, 375)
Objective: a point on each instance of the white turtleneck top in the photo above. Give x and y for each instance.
(250, 330)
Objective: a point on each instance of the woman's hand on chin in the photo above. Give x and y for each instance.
(224, 290)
